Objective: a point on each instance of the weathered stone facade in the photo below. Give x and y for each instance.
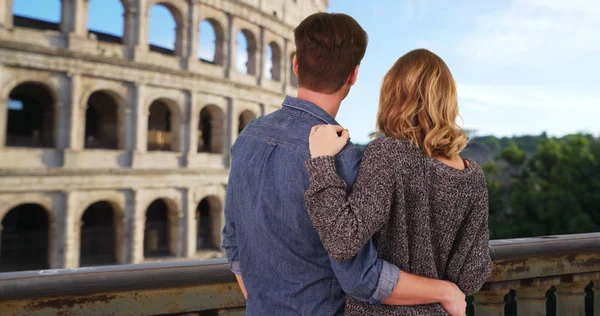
(86, 138)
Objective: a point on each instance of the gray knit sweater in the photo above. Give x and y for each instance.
(425, 217)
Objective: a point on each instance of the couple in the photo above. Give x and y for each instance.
(312, 230)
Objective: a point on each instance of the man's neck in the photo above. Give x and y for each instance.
(330, 103)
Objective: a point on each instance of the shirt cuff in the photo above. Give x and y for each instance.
(235, 267)
(390, 274)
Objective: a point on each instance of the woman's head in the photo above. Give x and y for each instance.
(419, 102)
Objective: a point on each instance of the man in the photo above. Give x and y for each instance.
(271, 244)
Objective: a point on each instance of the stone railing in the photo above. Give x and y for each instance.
(529, 266)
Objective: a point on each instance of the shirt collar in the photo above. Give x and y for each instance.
(310, 108)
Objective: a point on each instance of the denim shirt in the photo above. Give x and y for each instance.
(268, 235)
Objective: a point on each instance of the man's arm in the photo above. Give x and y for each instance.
(241, 283)
(373, 280)
(229, 233)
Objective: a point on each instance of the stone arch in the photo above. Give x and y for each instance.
(31, 115)
(244, 119)
(102, 120)
(246, 37)
(273, 64)
(211, 30)
(106, 32)
(25, 238)
(23, 16)
(163, 125)
(209, 223)
(293, 77)
(99, 234)
(178, 19)
(161, 229)
(211, 129)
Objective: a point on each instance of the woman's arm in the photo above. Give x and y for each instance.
(470, 263)
(346, 222)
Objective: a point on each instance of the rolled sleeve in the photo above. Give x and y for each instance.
(366, 277)
(390, 274)
(235, 267)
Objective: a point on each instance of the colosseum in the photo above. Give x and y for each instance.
(114, 150)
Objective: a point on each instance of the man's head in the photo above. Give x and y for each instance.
(329, 49)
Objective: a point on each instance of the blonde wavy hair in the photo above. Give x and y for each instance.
(419, 102)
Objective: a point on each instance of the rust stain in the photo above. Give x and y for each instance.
(69, 302)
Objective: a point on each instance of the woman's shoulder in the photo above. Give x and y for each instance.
(390, 144)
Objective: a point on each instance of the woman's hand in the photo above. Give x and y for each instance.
(327, 140)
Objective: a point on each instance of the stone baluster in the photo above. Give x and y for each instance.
(531, 296)
(490, 300)
(570, 294)
(597, 297)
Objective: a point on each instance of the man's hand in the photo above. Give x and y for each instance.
(325, 141)
(455, 302)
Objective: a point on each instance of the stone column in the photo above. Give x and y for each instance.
(3, 121)
(232, 126)
(77, 117)
(71, 231)
(74, 21)
(570, 295)
(193, 33)
(189, 223)
(141, 119)
(139, 43)
(62, 113)
(260, 53)
(6, 16)
(531, 297)
(229, 59)
(138, 226)
(191, 128)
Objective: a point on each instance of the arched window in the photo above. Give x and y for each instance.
(157, 234)
(208, 220)
(273, 62)
(246, 52)
(293, 77)
(245, 118)
(98, 235)
(211, 42)
(100, 27)
(101, 121)
(37, 14)
(160, 134)
(163, 30)
(24, 240)
(30, 116)
(210, 130)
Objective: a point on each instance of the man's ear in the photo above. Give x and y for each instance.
(295, 65)
(353, 76)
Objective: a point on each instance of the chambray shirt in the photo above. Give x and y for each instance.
(268, 235)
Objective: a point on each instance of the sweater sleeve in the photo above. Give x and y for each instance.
(470, 263)
(346, 222)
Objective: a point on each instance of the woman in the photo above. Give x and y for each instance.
(425, 207)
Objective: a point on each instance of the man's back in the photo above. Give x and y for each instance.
(285, 268)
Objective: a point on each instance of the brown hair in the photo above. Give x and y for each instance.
(419, 102)
(329, 46)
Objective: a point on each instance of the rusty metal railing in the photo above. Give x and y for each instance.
(529, 266)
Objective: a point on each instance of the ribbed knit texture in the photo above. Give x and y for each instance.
(425, 217)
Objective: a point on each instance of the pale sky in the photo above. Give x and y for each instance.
(522, 66)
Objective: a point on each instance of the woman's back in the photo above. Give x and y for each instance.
(426, 217)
